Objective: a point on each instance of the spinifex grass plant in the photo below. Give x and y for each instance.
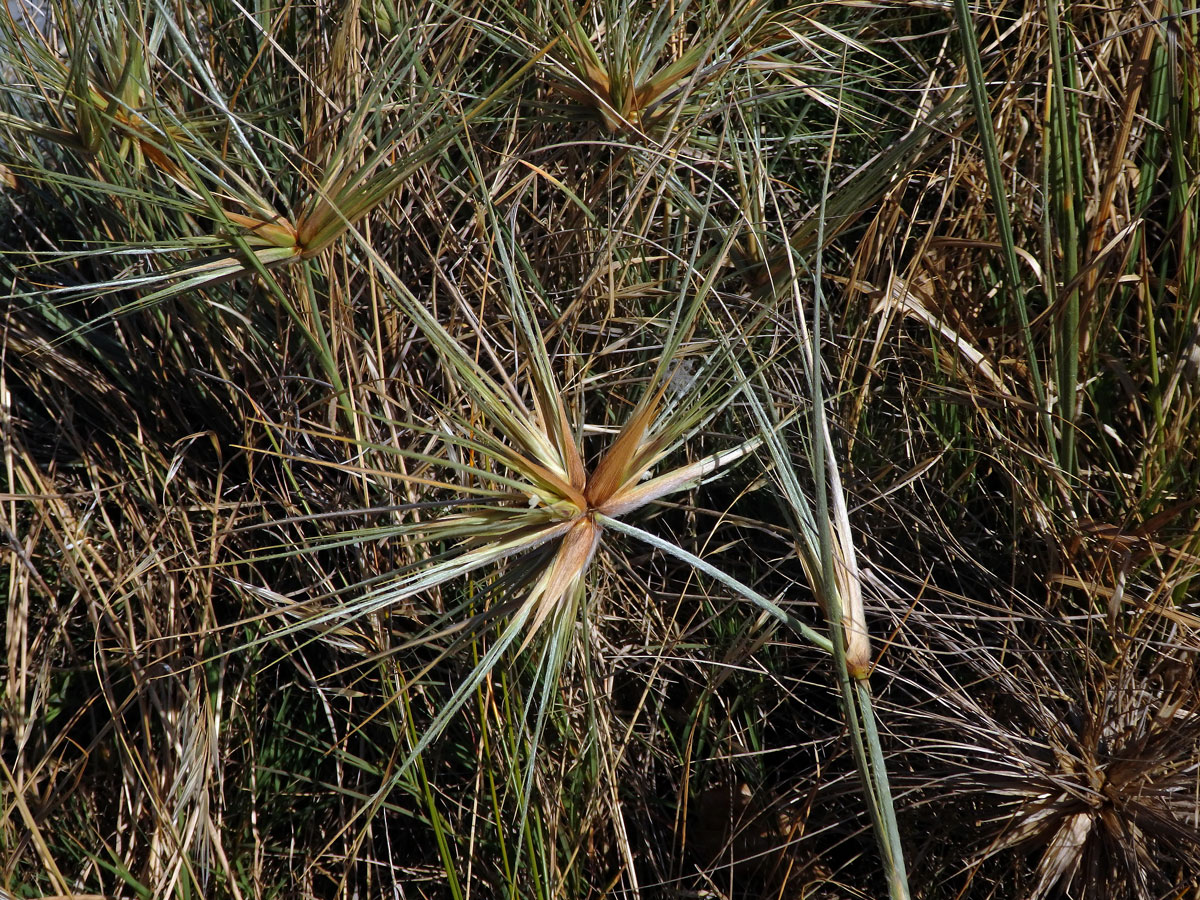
(522, 498)
(1075, 765)
(193, 200)
(637, 68)
(513, 463)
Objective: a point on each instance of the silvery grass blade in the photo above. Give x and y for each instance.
(529, 480)
(165, 284)
(551, 411)
(555, 651)
(425, 580)
(823, 538)
(743, 590)
(825, 547)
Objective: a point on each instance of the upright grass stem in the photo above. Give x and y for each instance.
(1064, 164)
(851, 650)
(991, 159)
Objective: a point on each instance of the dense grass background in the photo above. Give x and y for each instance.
(441, 441)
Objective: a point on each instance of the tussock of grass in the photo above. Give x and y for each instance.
(419, 420)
